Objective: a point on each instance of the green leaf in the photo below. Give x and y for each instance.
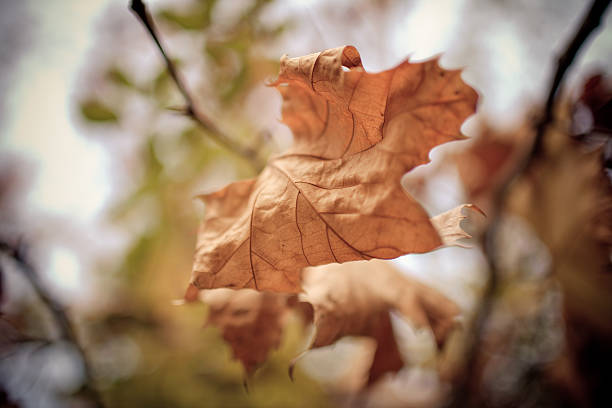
(138, 255)
(197, 18)
(117, 76)
(161, 85)
(96, 111)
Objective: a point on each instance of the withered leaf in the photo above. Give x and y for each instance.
(251, 322)
(567, 199)
(354, 299)
(335, 196)
(592, 113)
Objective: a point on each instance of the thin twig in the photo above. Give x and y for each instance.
(461, 394)
(192, 110)
(591, 21)
(66, 330)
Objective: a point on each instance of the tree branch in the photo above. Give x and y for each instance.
(591, 21)
(461, 394)
(215, 133)
(66, 330)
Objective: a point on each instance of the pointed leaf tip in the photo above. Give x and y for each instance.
(448, 225)
(290, 370)
(191, 295)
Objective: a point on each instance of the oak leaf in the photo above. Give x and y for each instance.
(335, 196)
(567, 199)
(250, 322)
(354, 299)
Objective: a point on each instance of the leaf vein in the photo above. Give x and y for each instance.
(316, 212)
(297, 224)
(251, 241)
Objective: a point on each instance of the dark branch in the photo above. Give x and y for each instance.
(591, 21)
(248, 153)
(461, 394)
(66, 330)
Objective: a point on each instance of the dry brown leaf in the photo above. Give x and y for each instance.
(354, 299)
(592, 113)
(448, 225)
(251, 322)
(335, 196)
(567, 198)
(485, 165)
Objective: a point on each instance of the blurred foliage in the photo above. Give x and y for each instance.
(95, 111)
(171, 359)
(567, 200)
(551, 309)
(198, 17)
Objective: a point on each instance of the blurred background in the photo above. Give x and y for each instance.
(98, 170)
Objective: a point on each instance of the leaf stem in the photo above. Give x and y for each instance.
(212, 130)
(66, 330)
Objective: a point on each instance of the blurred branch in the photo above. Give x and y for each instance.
(463, 387)
(215, 133)
(591, 21)
(66, 330)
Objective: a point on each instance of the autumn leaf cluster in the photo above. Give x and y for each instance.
(334, 197)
